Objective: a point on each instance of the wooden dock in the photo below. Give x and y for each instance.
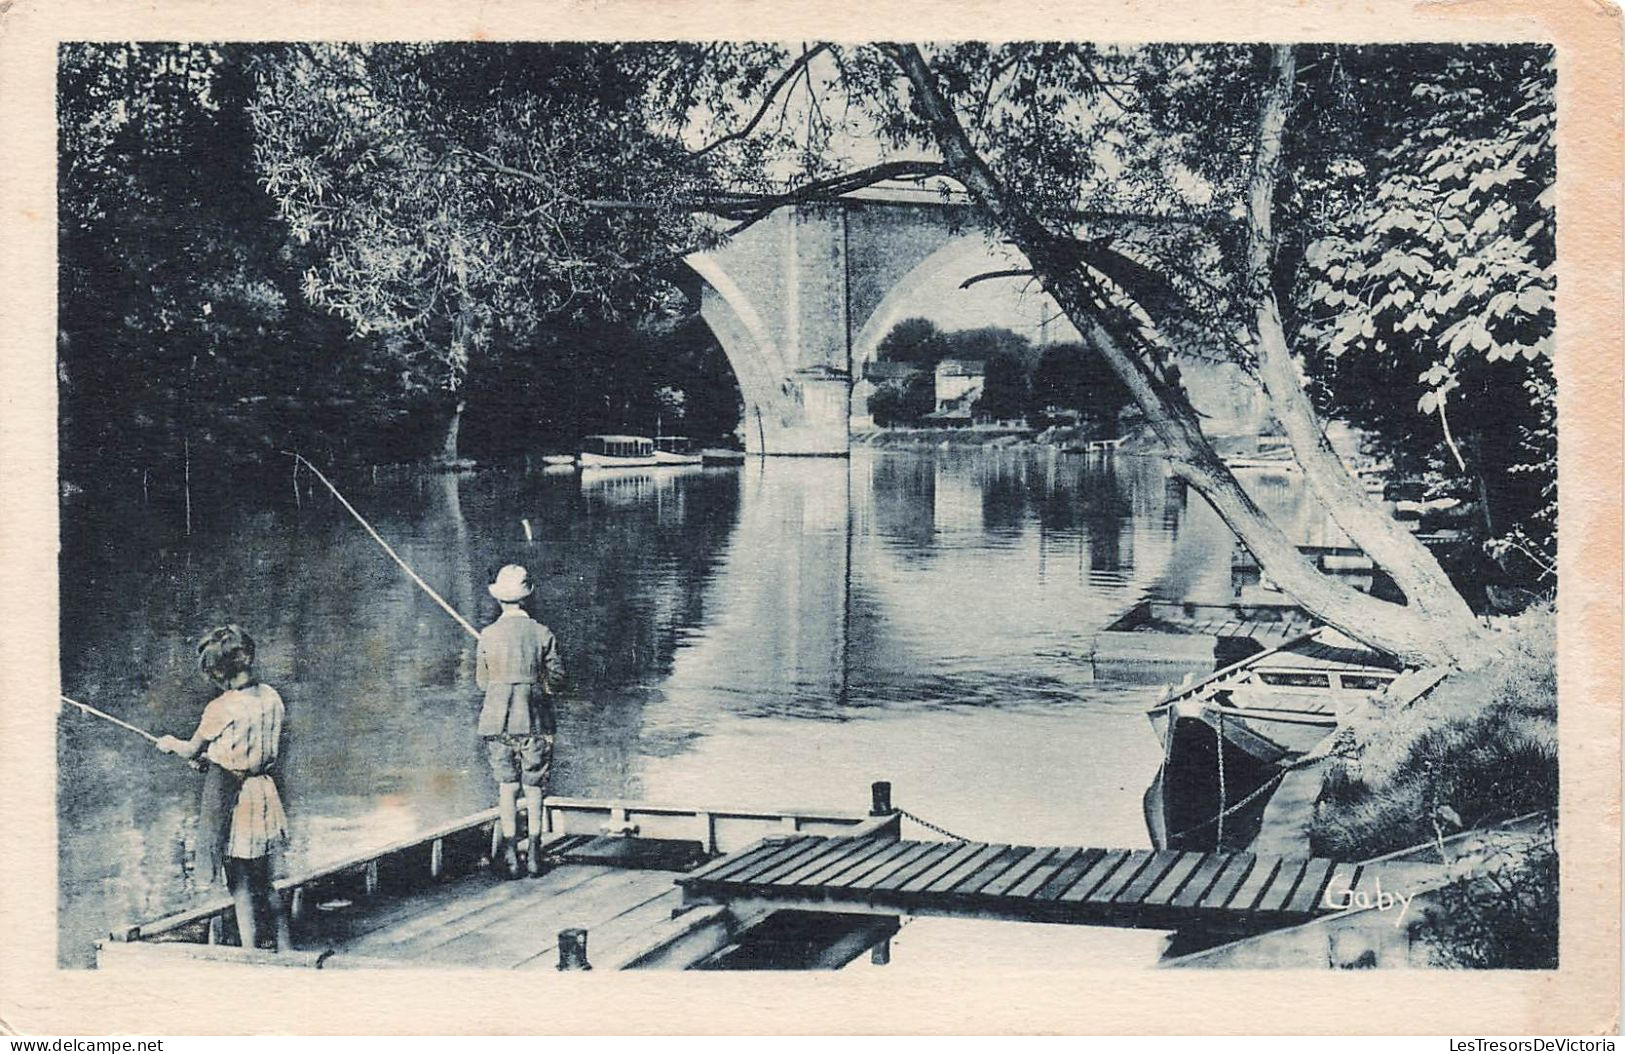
(639, 886)
(1158, 634)
(434, 901)
(1139, 888)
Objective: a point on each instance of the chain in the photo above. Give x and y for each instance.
(1269, 784)
(928, 825)
(1218, 747)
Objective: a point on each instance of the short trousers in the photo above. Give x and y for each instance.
(256, 871)
(523, 759)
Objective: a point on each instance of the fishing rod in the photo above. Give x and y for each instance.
(393, 555)
(143, 733)
(105, 716)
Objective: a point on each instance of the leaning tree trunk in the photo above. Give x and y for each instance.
(1408, 632)
(448, 446)
(1393, 548)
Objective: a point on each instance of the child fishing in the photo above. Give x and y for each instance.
(241, 825)
(517, 665)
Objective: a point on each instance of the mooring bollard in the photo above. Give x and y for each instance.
(573, 949)
(880, 791)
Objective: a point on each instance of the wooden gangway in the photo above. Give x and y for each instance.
(432, 900)
(1139, 888)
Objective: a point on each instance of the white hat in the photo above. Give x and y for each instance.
(512, 584)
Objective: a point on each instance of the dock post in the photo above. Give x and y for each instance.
(880, 792)
(573, 949)
(880, 954)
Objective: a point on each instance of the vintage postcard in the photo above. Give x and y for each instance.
(827, 518)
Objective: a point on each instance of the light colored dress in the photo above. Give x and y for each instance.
(243, 727)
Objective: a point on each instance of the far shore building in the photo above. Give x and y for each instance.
(960, 383)
(874, 374)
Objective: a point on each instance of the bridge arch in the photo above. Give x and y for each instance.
(964, 256)
(746, 343)
(801, 300)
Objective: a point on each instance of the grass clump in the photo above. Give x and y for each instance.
(1503, 918)
(1480, 748)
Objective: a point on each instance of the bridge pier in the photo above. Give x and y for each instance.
(776, 298)
(809, 419)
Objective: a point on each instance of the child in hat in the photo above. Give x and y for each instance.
(240, 823)
(517, 664)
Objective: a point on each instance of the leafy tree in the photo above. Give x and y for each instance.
(1004, 392)
(176, 286)
(1072, 376)
(903, 401)
(914, 340)
(1006, 359)
(460, 195)
(1435, 267)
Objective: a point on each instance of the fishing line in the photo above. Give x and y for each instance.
(393, 555)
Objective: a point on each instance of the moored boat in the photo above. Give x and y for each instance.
(617, 451)
(1226, 737)
(1262, 463)
(1154, 635)
(675, 450)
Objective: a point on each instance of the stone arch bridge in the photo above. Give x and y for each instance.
(800, 301)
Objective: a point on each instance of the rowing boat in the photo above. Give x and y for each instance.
(1226, 737)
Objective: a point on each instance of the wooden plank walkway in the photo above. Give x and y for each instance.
(1142, 888)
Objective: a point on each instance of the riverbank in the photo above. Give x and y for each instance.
(1019, 437)
(1478, 750)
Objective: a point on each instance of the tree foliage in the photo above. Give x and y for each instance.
(175, 282)
(183, 285)
(914, 340)
(1073, 376)
(460, 194)
(1427, 297)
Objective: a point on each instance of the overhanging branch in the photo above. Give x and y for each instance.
(988, 276)
(789, 74)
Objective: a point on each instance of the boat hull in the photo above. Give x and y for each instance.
(1184, 801)
(589, 460)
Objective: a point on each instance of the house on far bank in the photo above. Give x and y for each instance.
(959, 385)
(873, 375)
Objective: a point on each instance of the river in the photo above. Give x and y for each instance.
(778, 633)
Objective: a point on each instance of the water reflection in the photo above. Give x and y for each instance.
(779, 633)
